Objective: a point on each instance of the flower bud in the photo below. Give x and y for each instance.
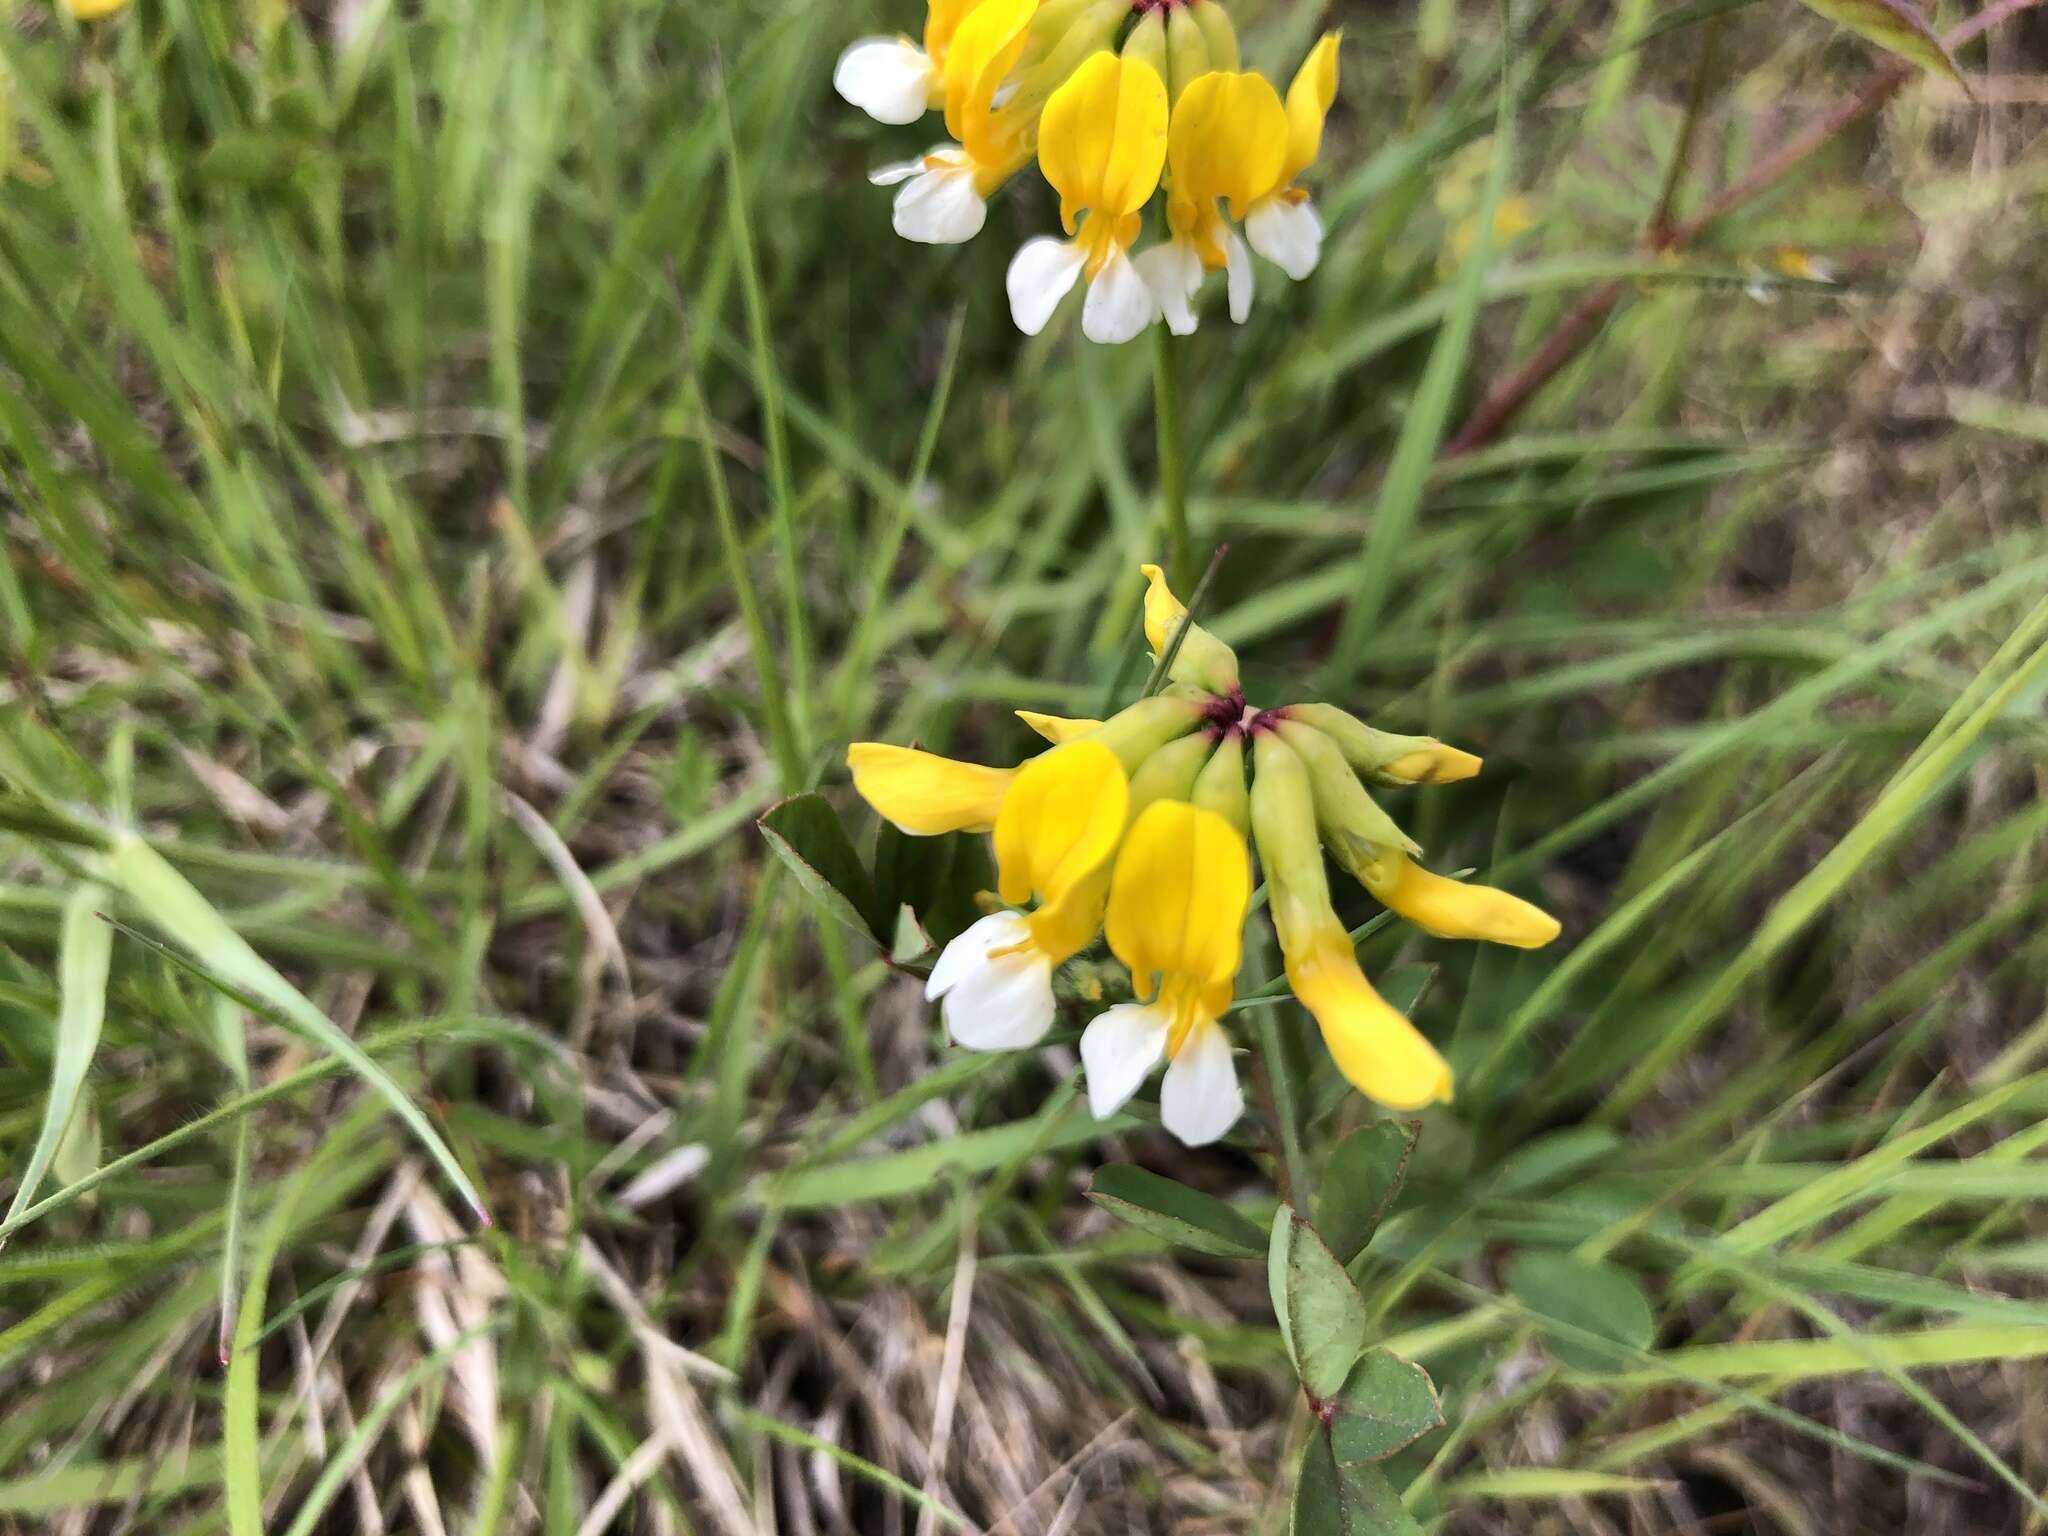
(1170, 773)
(1187, 51)
(1147, 44)
(1374, 1046)
(1220, 786)
(1057, 728)
(1202, 660)
(1134, 734)
(1216, 27)
(1353, 825)
(1087, 29)
(1383, 756)
(1454, 909)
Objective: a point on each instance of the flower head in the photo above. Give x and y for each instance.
(1116, 99)
(1177, 906)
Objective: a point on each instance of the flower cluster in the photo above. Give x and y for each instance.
(1115, 99)
(1137, 827)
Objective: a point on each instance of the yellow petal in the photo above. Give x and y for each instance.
(1060, 821)
(93, 10)
(1202, 660)
(984, 47)
(1057, 728)
(942, 20)
(1178, 897)
(1433, 764)
(1102, 139)
(1379, 1052)
(1308, 103)
(925, 794)
(1228, 139)
(1453, 909)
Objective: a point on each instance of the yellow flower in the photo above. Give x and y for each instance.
(1202, 661)
(944, 196)
(1102, 145)
(1059, 822)
(94, 10)
(1454, 909)
(1374, 1046)
(1280, 222)
(1227, 142)
(1177, 905)
(891, 78)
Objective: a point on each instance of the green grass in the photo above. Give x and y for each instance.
(458, 467)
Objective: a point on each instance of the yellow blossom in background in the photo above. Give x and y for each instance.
(94, 10)
(1117, 100)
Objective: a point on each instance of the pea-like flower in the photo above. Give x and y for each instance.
(1282, 223)
(891, 78)
(1102, 145)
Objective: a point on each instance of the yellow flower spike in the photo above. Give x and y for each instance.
(1374, 1046)
(1227, 141)
(1453, 909)
(1202, 661)
(925, 794)
(1057, 728)
(1102, 145)
(1059, 823)
(1383, 756)
(944, 196)
(1177, 904)
(1281, 222)
(891, 78)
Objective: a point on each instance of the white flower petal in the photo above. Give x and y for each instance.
(940, 206)
(1005, 1004)
(968, 951)
(888, 78)
(1238, 275)
(1173, 271)
(1041, 274)
(1118, 1048)
(895, 171)
(1119, 304)
(1199, 1099)
(1290, 235)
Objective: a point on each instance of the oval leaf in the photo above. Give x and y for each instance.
(1173, 1211)
(1321, 1316)
(806, 835)
(1364, 1176)
(1387, 1403)
(1588, 1299)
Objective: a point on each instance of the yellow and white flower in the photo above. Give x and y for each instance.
(1227, 143)
(1102, 145)
(1177, 903)
(944, 193)
(1060, 821)
(891, 78)
(1281, 222)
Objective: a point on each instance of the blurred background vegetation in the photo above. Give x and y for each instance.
(358, 368)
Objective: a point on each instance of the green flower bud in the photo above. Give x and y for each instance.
(1220, 786)
(1283, 812)
(1042, 70)
(1187, 51)
(1170, 773)
(1147, 44)
(1381, 755)
(1356, 831)
(1216, 27)
(1134, 734)
(1202, 661)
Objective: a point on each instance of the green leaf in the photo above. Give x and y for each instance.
(1359, 1186)
(1321, 1316)
(1895, 26)
(1173, 1211)
(1596, 1298)
(247, 159)
(1386, 1404)
(806, 835)
(1335, 1499)
(84, 948)
(1548, 1160)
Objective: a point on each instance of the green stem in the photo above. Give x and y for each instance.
(1173, 485)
